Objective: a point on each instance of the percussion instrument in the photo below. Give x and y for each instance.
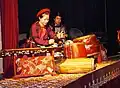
(75, 50)
(91, 43)
(88, 39)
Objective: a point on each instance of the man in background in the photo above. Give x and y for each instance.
(59, 29)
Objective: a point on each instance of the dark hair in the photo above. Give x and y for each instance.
(57, 14)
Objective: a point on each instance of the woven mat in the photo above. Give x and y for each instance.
(40, 82)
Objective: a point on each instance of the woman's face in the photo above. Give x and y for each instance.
(44, 20)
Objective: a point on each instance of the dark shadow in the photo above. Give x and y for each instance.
(74, 33)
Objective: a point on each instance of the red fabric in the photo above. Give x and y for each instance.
(10, 23)
(10, 30)
(40, 37)
(43, 11)
(32, 66)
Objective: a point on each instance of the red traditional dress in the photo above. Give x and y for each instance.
(41, 36)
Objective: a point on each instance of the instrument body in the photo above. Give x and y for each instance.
(33, 66)
(91, 43)
(77, 65)
(31, 61)
(75, 50)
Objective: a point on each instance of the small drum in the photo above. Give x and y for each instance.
(75, 50)
(91, 43)
(91, 49)
(89, 39)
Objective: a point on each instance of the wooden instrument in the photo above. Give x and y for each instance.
(22, 51)
(88, 39)
(33, 66)
(77, 65)
(91, 43)
(31, 61)
(75, 50)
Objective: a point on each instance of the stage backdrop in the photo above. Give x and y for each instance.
(10, 31)
(1, 59)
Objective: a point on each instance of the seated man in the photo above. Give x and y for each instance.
(59, 28)
(40, 32)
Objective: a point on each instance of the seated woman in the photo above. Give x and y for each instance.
(40, 32)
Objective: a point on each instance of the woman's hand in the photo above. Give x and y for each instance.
(51, 41)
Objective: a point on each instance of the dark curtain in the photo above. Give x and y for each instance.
(10, 31)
